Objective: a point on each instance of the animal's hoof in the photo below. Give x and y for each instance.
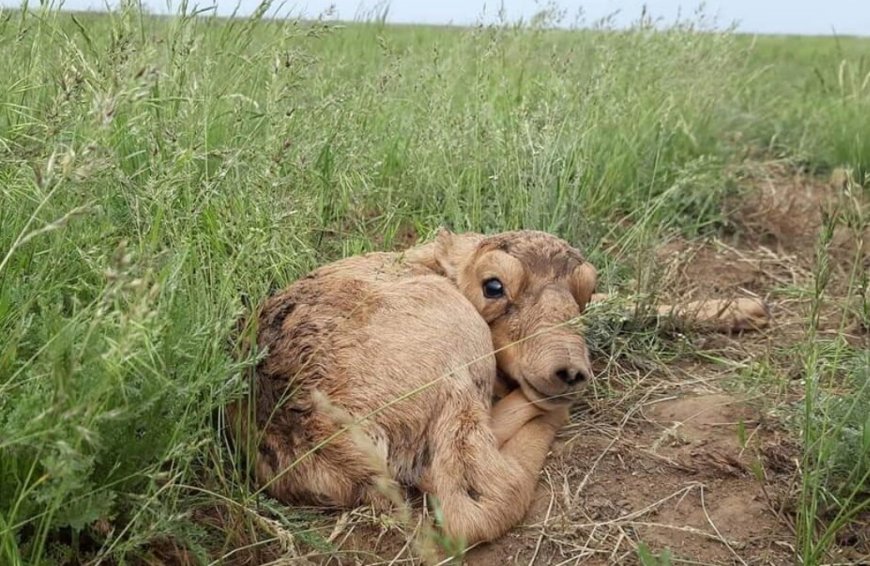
(734, 315)
(749, 314)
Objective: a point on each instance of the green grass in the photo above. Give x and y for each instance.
(816, 92)
(835, 426)
(156, 171)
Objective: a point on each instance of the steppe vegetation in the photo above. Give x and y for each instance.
(158, 176)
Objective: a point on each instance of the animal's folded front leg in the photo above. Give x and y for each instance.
(482, 490)
(509, 415)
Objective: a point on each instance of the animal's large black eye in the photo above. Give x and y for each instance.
(493, 289)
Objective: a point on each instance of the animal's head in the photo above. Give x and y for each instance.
(526, 285)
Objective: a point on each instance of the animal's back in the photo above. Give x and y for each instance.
(377, 338)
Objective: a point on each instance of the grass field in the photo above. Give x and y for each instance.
(157, 174)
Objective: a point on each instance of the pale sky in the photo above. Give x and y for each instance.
(815, 17)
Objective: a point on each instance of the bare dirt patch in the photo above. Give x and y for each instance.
(785, 208)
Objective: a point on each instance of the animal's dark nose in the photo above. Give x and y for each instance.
(572, 376)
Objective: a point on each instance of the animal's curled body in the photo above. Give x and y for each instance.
(408, 340)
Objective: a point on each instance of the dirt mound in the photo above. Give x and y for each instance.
(784, 208)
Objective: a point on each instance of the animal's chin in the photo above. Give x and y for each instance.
(535, 395)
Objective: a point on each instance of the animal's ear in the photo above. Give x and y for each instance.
(583, 282)
(453, 251)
